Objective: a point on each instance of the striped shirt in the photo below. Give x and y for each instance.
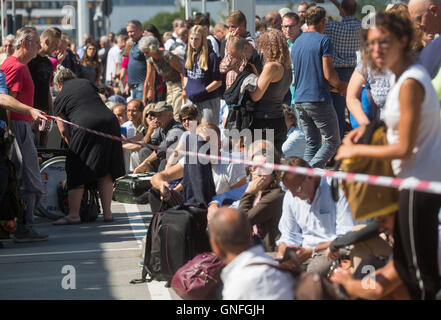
(346, 37)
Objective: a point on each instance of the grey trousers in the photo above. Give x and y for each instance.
(31, 182)
(318, 264)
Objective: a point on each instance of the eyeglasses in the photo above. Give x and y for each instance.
(383, 44)
(187, 119)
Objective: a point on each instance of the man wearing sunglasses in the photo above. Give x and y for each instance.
(311, 218)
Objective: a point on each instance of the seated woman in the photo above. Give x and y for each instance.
(295, 143)
(263, 198)
(90, 158)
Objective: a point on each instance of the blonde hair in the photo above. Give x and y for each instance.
(146, 110)
(203, 52)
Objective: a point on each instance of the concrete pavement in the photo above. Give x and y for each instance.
(87, 261)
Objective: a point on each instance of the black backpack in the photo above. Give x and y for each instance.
(90, 207)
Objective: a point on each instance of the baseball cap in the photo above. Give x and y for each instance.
(161, 106)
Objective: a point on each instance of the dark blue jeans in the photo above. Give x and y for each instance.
(339, 101)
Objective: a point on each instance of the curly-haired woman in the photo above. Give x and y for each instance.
(272, 85)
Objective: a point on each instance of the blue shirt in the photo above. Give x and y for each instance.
(137, 67)
(198, 79)
(306, 55)
(3, 86)
(308, 225)
(232, 195)
(346, 37)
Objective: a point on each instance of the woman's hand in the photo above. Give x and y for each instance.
(346, 151)
(257, 185)
(353, 136)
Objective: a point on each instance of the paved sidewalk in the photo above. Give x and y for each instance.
(87, 261)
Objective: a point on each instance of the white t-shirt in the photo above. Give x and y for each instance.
(113, 57)
(425, 163)
(225, 175)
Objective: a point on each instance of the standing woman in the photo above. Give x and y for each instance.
(90, 67)
(272, 85)
(413, 124)
(167, 65)
(202, 78)
(123, 69)
(90, 158)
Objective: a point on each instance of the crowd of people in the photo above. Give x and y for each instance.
(306, 86)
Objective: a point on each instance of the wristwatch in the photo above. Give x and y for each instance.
(314, 252)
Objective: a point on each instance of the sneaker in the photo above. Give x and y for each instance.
(29, 236)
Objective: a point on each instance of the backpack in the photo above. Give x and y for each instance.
(90, 207)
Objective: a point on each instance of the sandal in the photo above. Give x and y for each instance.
(65, 221)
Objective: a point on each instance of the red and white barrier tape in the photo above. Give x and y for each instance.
(392, 182)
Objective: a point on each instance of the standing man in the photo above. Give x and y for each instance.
(102, 54)
(301, 11)
(314, 75)
(114, 58)
(426, 16)
(178, 24)
(137, 67)
(41, 70)
(21, 87)
(346, 37)
(291, 30)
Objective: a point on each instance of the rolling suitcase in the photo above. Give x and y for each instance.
(173, 238)
(132, 188)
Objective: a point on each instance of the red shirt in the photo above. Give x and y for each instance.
(18, 79)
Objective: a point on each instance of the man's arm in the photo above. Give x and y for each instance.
(332, 76)
(337, 4)
(10, 103)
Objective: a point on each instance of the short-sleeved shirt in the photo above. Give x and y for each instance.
(306, 54)
(113, 57)
(379, 81)
(164, 68)
(41, 69)
(430, 57)
(165, 138)
(346, 37)
(18, 79)
(198, 79)
(137, 67)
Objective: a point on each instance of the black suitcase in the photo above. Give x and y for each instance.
(132, 188)
(173, 238)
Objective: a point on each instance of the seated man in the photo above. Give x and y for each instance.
(230, 239)
(226, 176)
(133, 129)
(169, 133)
(311, 218)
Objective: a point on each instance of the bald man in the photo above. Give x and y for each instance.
(426, 15)
(231, 241)
(273, 20)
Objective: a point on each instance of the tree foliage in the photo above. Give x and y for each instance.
(163, 20)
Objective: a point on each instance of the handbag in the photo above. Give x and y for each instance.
(199, 278)
(365, 200)
(368, 105)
